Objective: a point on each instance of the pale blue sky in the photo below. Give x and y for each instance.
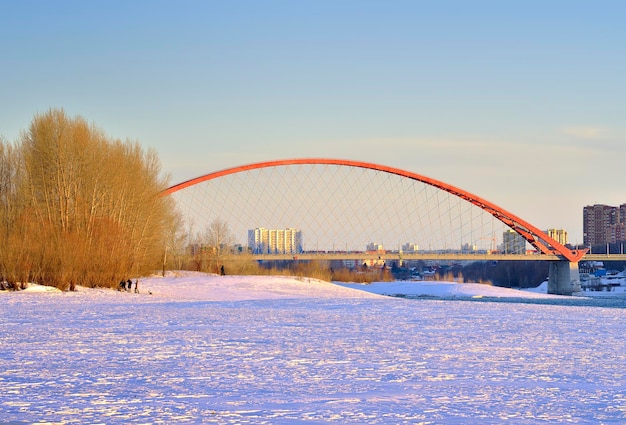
(522, 103)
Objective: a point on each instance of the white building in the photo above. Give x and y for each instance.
(513, 243)
(275, 241)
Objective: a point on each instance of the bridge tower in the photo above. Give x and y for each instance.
(564, 278)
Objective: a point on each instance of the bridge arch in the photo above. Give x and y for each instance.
(535, 237)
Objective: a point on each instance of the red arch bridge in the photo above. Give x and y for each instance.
(334, 209)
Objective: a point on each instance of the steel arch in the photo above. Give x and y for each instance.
(537, 238)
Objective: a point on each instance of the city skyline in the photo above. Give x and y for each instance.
(519, 104)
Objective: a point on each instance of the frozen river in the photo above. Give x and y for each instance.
(297, 353)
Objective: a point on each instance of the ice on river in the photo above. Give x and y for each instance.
(276, 350)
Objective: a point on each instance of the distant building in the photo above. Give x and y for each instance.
(275, 241)
(194, 249)
(374, 247)
(513, 243)
(410, 248)
(468, 248)
(558, 235)
(603, 224)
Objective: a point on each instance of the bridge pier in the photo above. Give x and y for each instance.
(564, 278)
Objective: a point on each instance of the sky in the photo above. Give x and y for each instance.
(520, 103)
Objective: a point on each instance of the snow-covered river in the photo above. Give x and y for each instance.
(286, 351)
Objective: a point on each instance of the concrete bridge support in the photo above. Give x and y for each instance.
(564, 278)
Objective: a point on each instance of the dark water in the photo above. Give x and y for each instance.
(574, 301)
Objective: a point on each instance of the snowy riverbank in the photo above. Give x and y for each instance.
(198, 349)
(199, 286)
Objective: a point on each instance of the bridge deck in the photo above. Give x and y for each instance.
(432, 256)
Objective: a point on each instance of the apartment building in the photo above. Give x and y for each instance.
(513, 243)
(603, 224)
(275, 241)
(559, 235)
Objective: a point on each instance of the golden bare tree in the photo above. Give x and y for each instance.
(14, 255)
(9, 180)
(91, 208)
(220, 239)
(176, 240)
(215, 246)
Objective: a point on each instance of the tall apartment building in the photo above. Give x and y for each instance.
(558, 235)
(513, 243)
(603, 224)
(275, 241)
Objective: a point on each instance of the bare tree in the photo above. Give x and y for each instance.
(10, 172)
(174, 251)
(12, 253)
(93, 205)
(219, 241)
